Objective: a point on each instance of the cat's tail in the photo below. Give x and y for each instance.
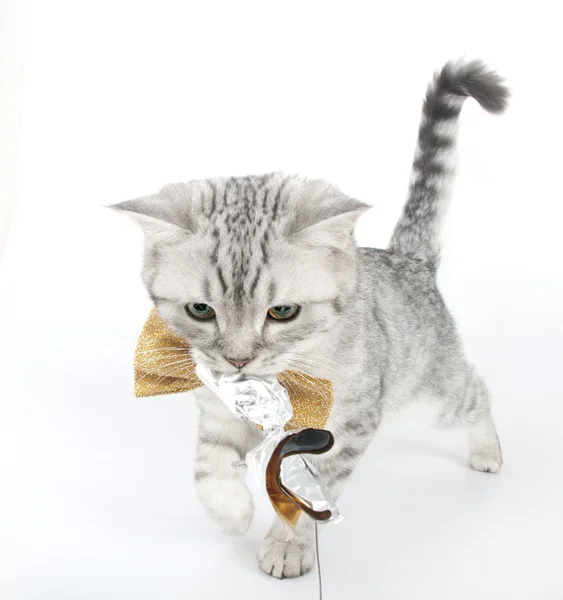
(417, 233)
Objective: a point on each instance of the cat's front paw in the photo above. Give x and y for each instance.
(286, 559)
(229, 503)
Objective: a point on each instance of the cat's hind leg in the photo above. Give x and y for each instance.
(469, 406)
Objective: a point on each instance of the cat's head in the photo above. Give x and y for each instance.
(255, 271)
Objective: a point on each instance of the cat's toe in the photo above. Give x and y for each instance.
(487, 462)
(285, 559)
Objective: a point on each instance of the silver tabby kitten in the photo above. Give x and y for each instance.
(262, 274)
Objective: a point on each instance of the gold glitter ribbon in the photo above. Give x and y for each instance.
(163, 365)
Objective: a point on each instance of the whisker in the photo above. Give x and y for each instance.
(164, 349)
(313, 359)
(165, 366)
(321, 391)
(160, 361)
(315, 364)
(169, 372)
(299, 382)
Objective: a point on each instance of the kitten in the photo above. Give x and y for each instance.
(262, 274)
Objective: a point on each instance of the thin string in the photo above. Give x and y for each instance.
(319, 571)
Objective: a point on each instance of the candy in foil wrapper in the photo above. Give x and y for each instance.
(263, 401)
(291, 482)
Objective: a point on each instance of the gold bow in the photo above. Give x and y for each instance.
(163, 366)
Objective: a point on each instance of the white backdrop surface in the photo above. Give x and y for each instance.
(96, 499)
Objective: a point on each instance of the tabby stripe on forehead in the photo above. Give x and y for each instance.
(264, 247)
(277, 200)
(215, 252)
(256, 279)
(213, 196)
(249, 193)
(221, 279)
(265, 199)
(272, 291)
(225, 192)
(206, 290)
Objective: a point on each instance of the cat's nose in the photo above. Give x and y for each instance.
(240, 362)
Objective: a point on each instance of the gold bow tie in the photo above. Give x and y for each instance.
(163, 366)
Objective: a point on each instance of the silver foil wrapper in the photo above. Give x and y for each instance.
(266, 402)
(301, 477)
(263, 401)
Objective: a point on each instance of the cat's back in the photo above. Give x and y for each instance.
(393, 272)
(403, 291)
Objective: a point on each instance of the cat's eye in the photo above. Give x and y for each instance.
(199, 310)
(283, 312)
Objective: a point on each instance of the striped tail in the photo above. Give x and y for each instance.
(416, 234)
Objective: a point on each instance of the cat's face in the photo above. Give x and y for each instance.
(254, 271)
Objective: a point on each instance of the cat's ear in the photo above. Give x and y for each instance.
(170, 212)
(333, 232)
(324, 216)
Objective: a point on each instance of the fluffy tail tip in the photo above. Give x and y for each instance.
(475, 79)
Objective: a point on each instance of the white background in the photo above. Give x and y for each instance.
(11, 86)
(96, 499)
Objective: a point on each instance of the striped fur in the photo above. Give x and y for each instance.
(417, 232)
(372, 321)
